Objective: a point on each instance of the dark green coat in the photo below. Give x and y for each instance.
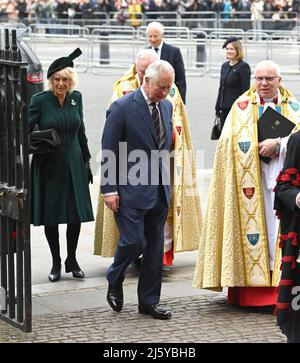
(59, 184)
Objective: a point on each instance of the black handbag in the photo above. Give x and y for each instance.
(217, 129)
(43, 141)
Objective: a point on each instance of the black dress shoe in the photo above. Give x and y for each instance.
(75, 269)
(155, 311)
(115, 297)
(54, 274)
(78, 274)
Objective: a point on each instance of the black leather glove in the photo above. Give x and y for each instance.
(89, 172)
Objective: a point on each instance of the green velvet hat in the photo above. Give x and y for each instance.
(63, 62)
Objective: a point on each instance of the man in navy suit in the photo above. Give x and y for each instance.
(136, 185)
(169, 53)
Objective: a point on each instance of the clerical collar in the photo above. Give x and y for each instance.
(269, 100)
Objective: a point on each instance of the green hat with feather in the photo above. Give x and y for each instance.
(63, 62)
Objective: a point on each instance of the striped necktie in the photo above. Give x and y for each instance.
(159, 128)
(155, 118)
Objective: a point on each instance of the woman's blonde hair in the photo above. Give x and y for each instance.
(237, 45)
(68, 72)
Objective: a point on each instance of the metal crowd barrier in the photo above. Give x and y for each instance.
(113, 46)
(214, 43)
(116, 46)
(170, 32)
(167, 18)
(47, 39)
(124, 18)
(200, 37)
(192, 19)
(198, 19)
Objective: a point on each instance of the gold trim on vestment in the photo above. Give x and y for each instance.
(185, 212)
(233, 248)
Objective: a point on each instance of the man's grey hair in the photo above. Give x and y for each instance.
(155, 25)
(145, 54)
(154, 69)
(268, 64)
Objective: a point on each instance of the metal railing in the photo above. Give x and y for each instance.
(15, 265)
(192, 19)
(116, 46)
(169, 32)
(49, 37)
(113, 46)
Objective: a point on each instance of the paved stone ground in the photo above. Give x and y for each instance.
(196, 319)
(204, 319)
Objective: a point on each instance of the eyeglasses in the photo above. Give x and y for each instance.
(267, 79)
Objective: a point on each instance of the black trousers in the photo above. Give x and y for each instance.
(291, 328)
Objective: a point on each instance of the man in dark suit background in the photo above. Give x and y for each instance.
(136, 185)
(169, 53)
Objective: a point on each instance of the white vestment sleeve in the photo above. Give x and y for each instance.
(269, 173)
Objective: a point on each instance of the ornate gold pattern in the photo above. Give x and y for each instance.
(185, 212)
(233, 249)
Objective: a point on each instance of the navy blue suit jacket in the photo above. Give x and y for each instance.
(128, 120)
(172, 54)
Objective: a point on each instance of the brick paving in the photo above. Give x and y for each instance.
(196, 319)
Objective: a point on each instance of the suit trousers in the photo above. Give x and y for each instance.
(141, 232)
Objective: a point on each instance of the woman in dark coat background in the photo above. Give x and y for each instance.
(59, 180)
(235, 77)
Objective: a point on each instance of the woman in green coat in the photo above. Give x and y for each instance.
(59, 179)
